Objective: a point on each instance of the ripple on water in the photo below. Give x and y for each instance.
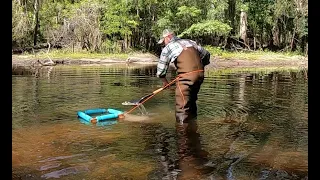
(65, 171)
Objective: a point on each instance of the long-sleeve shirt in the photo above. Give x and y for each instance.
(172, 50)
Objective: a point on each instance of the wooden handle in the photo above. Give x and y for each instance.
(158, 90)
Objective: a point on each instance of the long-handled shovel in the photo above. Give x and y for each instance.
(139, 101)
(152, 94)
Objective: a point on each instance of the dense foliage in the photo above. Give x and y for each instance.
(110, 26)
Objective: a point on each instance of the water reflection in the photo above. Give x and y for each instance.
(193, 161)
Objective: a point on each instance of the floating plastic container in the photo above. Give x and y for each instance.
(84, 116)
(99, 123)
(107, 116)
(112, 114)
(95, 111)
(113, 111)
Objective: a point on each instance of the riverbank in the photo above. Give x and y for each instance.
(218, 61)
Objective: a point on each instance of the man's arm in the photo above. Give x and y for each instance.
(163, 65)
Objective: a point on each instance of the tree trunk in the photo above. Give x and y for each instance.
(292, 41)
(243, 26)
(276, 33)
(231, 13)
(306, 51)
(125, 42)
(36, 20)
(25, 6)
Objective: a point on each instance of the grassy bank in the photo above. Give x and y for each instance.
(252, 55)
(65, 54)
(215, 52)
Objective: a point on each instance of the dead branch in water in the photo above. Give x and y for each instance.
(50, 63)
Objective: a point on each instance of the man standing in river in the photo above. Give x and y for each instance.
(189, 59)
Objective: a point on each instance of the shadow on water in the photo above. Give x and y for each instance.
(179, 152)
(193, 161)
(163, 147)
(250, 125)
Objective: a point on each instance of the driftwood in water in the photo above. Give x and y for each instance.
(51, 63)
(140, 60)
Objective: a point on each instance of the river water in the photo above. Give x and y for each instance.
(251, 124)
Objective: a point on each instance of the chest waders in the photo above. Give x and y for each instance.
(191, 75)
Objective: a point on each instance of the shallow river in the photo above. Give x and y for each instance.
(251, 124)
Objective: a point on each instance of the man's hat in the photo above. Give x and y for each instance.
(165, 33)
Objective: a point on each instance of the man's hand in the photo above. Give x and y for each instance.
(164, 82)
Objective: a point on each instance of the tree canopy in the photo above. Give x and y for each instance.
(125, 25)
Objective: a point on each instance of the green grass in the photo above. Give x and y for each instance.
(215, 52)
(266, 70)
(251, 55)
(64, 54)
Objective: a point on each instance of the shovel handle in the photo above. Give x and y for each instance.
(158, 90)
